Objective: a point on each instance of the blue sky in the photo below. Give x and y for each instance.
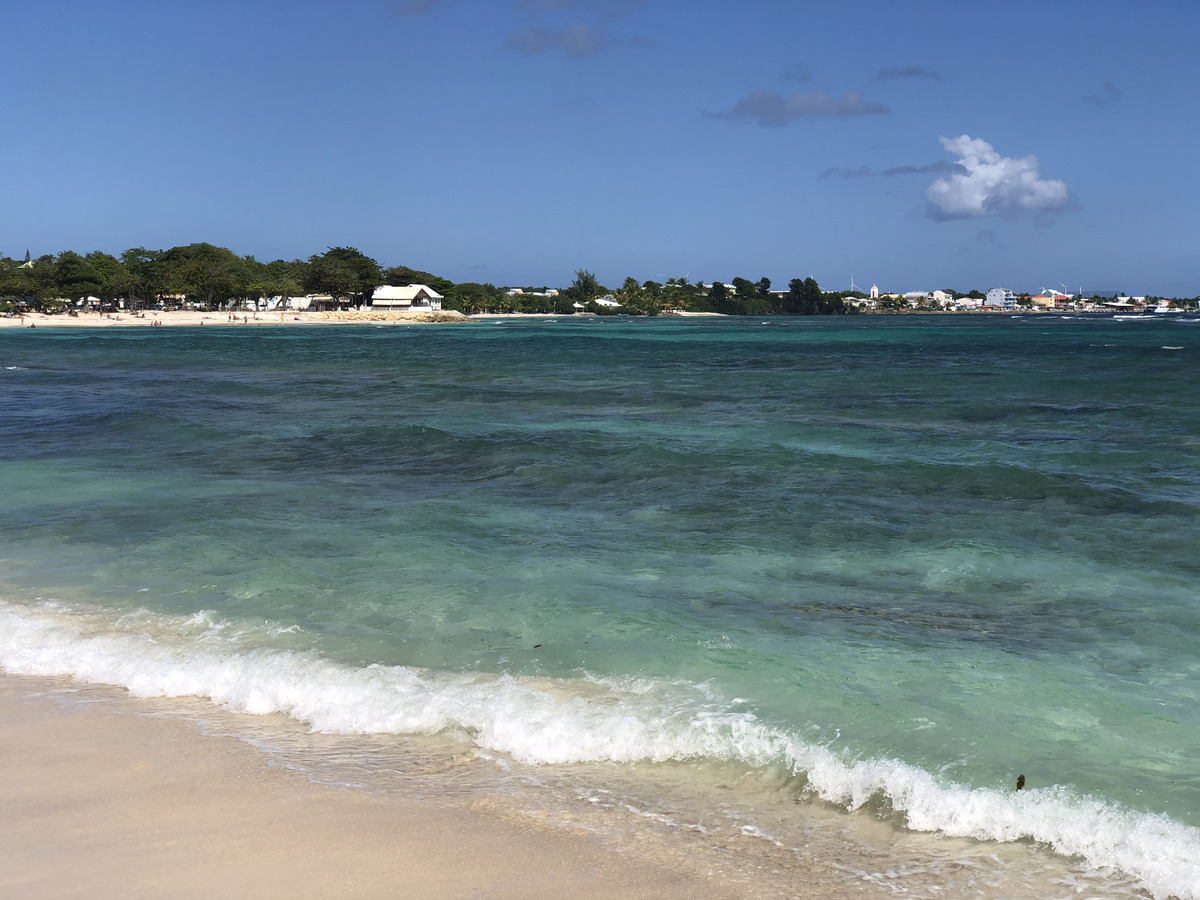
(915, 145)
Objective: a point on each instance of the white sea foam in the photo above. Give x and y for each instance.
(547, 721)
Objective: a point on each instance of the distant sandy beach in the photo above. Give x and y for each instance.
(178, 318)
(98, 801)
(248, 319)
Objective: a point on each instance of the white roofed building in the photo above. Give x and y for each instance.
(408, 296)
(942, 299)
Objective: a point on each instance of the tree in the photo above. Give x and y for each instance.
(763, 286)
(114, 280)
(470, 298)
(832, 304)
(637, 299)
(531, 301)
(32, 284)
(208, 275)
(344, 274)
(585, 287)
(42, 279)
(677, 293)
(146, 273)
(744, 288)
(403, 275)
(630, 293)
(75, 277)
(283, 278)
(255, 281)
(803, 297)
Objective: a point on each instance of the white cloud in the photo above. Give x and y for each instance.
(993, 185)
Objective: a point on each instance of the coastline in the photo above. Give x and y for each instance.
(196, 318)
(177, 318)
(104, 800)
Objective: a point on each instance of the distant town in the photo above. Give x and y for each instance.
(207, 277)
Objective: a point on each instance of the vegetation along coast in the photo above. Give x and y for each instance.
(201, 284)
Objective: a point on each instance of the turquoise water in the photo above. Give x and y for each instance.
(889, 562)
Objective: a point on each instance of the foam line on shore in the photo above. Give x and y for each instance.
(544, 721)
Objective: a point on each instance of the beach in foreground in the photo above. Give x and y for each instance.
(100, 801)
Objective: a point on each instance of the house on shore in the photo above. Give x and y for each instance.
(1048, 299)
(408, 296)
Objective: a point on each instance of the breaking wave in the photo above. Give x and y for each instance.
(544, 721)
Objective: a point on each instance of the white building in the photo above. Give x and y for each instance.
(519, 292)
(1001, 298)
(408, 296)
(864, 303)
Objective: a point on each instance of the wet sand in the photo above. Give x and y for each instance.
(97, 801)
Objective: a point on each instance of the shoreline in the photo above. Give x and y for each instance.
(104, 799)
(190, 318)
(294, 318)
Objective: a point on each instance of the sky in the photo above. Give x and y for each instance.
(911, 145)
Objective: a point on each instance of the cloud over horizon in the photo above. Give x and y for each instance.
(578, 103)
(772, 110)
(941, 167)
(414, 7)
(891, 73)
(604, 10)
(1109, 96)
(797, 72)
(993, 185)
(576, 41)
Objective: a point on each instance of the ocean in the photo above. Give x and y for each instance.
(779, 591)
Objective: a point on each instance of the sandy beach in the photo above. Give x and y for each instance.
(179, 318)
(100, 801)
(176, 318)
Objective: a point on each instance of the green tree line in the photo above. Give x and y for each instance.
(741, 297)
(214, 277)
